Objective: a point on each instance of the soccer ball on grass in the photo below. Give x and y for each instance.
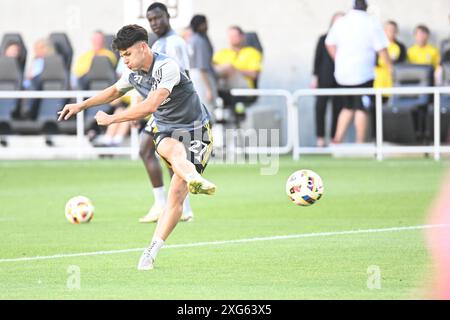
(79, 209)
(304, 187)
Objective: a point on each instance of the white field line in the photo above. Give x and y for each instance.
(214, 243)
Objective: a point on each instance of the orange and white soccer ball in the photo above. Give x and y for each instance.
(79, 209)
(304, 187)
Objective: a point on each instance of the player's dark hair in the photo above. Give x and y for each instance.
(423, 28)
(158, 5)
(197, 21)
(128, 36)
(360, 5)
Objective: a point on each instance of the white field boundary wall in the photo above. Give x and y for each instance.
(378, 149)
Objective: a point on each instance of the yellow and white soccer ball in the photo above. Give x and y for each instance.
(304, 187)
(79, 209)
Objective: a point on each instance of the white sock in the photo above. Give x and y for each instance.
(192, 176)
(155, 246)
(186, 205)
(160, 196)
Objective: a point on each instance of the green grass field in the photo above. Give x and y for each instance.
(359, 194)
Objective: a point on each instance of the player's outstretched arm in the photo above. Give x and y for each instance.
(106, 96)
(138, 111)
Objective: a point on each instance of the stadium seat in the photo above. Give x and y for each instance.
(10, 79)
(445, 108)
(252, 40)
(63, 47)
(108, 45)
(267, 117)
(15, 37)
(100, 76)
(53, 77)
(401, 114)
(445, 98)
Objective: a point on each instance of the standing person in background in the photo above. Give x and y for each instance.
(353, 42)
(200, 58)
(173, 45)
(323, 77)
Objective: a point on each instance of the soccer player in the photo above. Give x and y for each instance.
(179, 123)
(171, 44)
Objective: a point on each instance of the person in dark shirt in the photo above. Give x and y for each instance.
(323, 77)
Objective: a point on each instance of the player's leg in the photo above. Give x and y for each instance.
(188, 214)
(344, 120)
(361, 119)
(121, 132)
(177, 193)
(153, 168)
(174, 152)
(321, 107)
(166, 223)
(336, 109)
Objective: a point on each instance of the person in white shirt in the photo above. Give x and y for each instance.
(353, 42)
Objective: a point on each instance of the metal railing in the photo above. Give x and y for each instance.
(80, 150)
(293, 136)
(379, 150)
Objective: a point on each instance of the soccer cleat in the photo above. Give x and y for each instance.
(199, 185)
(146, 261)
(187, 216)
(152, 215)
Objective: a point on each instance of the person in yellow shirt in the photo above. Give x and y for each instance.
(397, 53)
(422, 52)
(83, 63)
(238, 66)
(425, 54)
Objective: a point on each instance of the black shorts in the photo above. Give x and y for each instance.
(198, 144)
(363, 103)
